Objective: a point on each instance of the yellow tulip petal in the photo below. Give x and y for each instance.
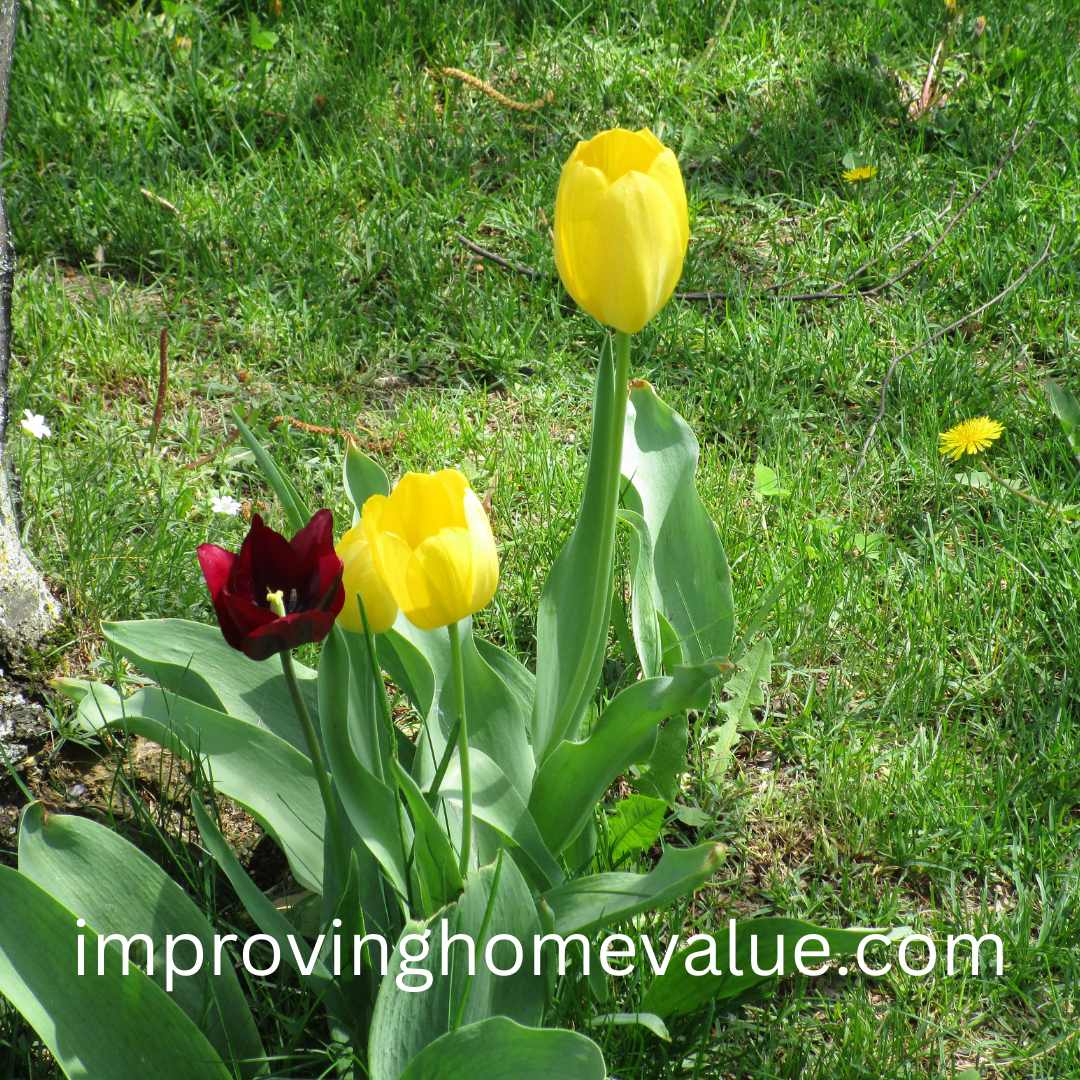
(580, 190)
(440, 579)
(360, 576)
(637, 254)
(605, 151)
(420, 505)
(485, 560)
(666, 172)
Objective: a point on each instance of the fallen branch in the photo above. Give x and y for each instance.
(502, 99)
(830, 293)
(941, 333)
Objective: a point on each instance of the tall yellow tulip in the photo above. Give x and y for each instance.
(360, 576)
(431, 544)
(621, 227)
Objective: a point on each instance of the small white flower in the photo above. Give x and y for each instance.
(35, 425)
(225, 504)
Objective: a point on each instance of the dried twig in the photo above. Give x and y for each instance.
(941, 333)
(213, 453)
(375, 446)
(151, 197)
(162, 386)
(502, 99)
(830, 293)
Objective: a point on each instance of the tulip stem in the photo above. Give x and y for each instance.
(463, 748)
(380, 692)
(318, 765)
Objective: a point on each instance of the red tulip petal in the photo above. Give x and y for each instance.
(216, 565)
(316, 539)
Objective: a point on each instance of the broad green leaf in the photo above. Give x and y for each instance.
(635, 826)
(643, 594)
(767, 483)
(498, 721)
(1066, 408)
(496, 801)
(497, 1048)
(434, 858)
(408, 665)
(645, 1020)
(588, 903)
(496, 900)
(267, 918)
(263, 773)
(193, 660)
(678, 992)
(572, 619)
(692, 578)
(519, 680)
(668, 761)
(98, 1027)
(574, 778)
(296, 513)
(110, 883)
(369, 802)
(363, 478)
(746, 693)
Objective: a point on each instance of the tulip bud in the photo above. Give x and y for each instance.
(360, 577)
(432, 546)
(621, 227)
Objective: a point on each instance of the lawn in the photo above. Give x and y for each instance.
(286, 193)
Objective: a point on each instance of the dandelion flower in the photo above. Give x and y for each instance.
(969, 437)
(225, 504)
(35, 425)
(864, 172)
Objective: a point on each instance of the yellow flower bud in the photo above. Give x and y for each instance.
(432, 546)
(359, 576)
(621, 227)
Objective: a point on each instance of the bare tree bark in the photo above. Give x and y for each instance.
(27, 608)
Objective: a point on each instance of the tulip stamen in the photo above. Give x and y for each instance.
(276, 602)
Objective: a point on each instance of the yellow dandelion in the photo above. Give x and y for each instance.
(969, 437)
(866, 172)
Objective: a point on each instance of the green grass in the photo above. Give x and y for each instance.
(919, 760)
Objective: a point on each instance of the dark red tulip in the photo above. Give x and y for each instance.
(305, 569)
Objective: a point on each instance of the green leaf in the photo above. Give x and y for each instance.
(263, 773)
(574, 778)
(260, 39)
(434, 858)
(117, 889)
(194, 660)
(363, 478)
(496, 900)
(767, 484)
(497, 802)
(497, 1048)
(369, 802)
(267, 917)
(409, 665)
(1067, 409)
(866, 545)
(668, 761)
(296, 513)
(660, 457)
(495, 705)
(635, 825)
(596, 900)
(646, 1020)
(106, 1027)
(746, 693)
(678, 992)
(643, 594)
(572, 619)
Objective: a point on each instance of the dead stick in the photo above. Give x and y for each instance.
(1013, 147)
(941, 333)
(162, 386)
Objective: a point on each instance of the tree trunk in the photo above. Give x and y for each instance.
(27, 608)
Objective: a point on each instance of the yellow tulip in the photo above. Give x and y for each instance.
(621, 227)
(432, 546)
(359, 576)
